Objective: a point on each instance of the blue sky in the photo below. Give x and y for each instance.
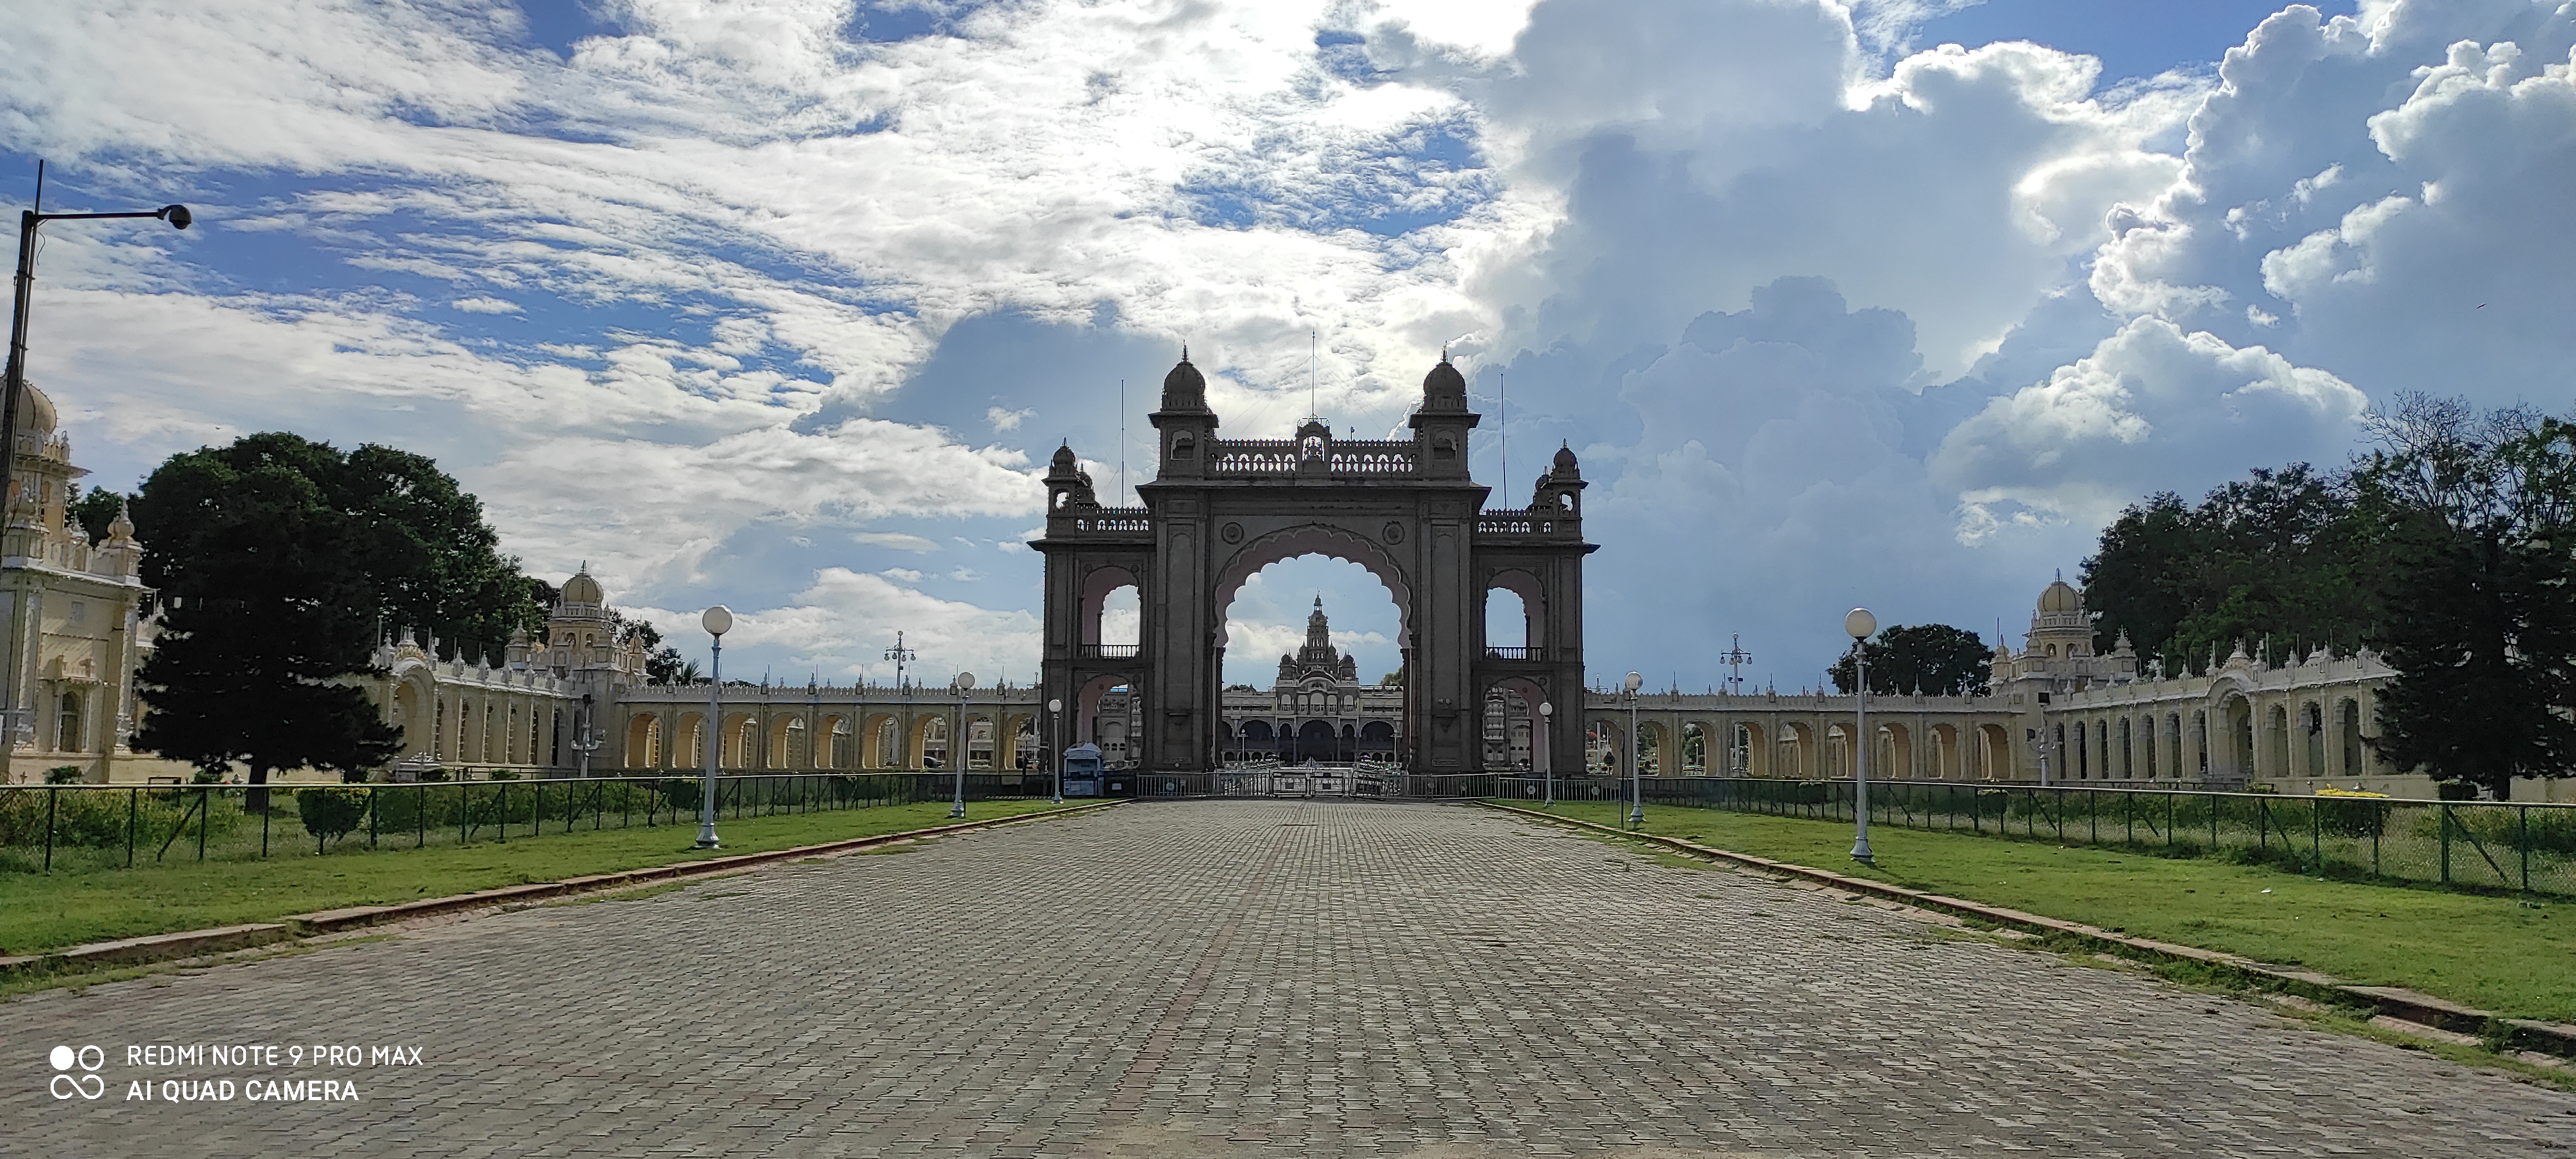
(783, 304)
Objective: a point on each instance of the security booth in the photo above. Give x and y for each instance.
(1083, 770)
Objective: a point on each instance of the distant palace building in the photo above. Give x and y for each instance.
(1316, 710)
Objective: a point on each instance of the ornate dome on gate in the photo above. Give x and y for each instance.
(1444, 388)
(2060, 598)
(1184, 388)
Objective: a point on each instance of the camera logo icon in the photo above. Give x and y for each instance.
(87, 1058)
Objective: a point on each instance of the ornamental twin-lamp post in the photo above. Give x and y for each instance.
(14, 375)
(1636, 767)
(718, 620)
(1055, 723)
(587, 737)
(1861, 625)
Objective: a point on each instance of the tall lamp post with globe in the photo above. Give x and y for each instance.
(1055, 725)
(1547, 743)
(718, 620)
(1636, 767)
(1860, 626)
(957, 749)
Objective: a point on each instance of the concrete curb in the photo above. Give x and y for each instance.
(192, 943)
(2407, 1005)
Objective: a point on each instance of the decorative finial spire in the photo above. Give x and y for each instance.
(1444, 352)
(1185, 349)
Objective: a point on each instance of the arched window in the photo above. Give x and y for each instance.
(67, 724)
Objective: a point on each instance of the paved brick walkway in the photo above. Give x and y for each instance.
(1235, 979)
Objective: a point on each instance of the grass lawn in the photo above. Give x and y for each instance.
(2495, 953)
(41, 912)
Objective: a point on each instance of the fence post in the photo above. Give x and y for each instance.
(2093, 817)
(2262, 825)
(419, 816)
(371, 816)
(2378, 822)
(205, 813)
(464, 804)
(2522, 837)
(2316, 834)
(133, 801)
(2446, 843)
(51, 792)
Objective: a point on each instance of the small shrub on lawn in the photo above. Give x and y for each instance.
(330, 813)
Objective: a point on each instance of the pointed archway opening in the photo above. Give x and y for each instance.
(1313, 666)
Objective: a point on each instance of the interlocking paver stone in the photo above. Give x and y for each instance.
(1242, 979)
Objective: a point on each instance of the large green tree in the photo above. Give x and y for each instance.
(2280, 558)
(281, 561)
(1929, 659)
(2477, 516)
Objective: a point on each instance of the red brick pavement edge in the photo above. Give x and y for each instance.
(2421, 1009)
(191, 943)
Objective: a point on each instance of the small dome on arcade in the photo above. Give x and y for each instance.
(2061, 598)
(581, 589)
(1564, 456)
(35, 412)
(1063, 460)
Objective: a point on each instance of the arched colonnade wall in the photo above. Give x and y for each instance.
(1806, 737)
(2288, 726)
(467, 717)
(822, 729)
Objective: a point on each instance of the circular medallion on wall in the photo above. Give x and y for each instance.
(1233, 533)
(1394, 533)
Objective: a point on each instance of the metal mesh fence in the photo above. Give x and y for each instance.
(48, 828)
(2476, 844)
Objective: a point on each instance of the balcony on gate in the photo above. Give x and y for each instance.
(1516, 653)
(1100, 522)
(1526, 523)
(1112, 651)
(1336, 458)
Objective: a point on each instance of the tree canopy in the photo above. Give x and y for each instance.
(2477, 522)
(1925, 659)
(2449, 548)
(279, 561)
(2280, 556)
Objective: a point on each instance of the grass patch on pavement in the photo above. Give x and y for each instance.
(43, 912)
(2498, 953)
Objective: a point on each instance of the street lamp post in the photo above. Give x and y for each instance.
(586, 736)
(1861, 625)
(957, 749)
(1636, 767)
(718, 620)
(14, 376)
(1055, 723)
(1546, 758)
(902, 656)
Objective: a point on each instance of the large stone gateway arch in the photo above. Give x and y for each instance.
(1219, 510)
